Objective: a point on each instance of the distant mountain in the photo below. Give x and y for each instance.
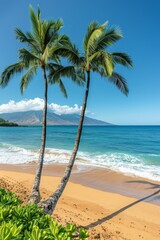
(35, 118)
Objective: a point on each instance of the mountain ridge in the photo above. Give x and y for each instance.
(34, 117)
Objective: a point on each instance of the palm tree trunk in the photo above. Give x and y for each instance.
(35, 194)
(49, 205)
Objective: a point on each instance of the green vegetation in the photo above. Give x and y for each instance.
(4, 123)
(29, 222)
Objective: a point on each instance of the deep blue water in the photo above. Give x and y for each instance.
(129, 149)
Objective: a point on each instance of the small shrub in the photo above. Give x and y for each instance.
(29, 222)
(8, 198)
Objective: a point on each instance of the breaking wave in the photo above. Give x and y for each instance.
(135, 165)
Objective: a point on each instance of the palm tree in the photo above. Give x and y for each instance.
(96, 58)
(39, 53)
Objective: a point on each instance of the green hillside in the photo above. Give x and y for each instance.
(4, 123)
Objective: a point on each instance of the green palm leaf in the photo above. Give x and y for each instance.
(107, 38)
(58, 71)
(28, 57)
(90, 29)
(122, 58)
(105, 61)
(9, 72)
(120, 82)
(62, 87)
(49, 34)
(67, 50)
(58, 24)
(92, 37)
(21, 36)
(27, 78)
(35, 22)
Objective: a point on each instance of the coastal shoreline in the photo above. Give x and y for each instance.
(96, 177)
(106, 214)
(92, 200)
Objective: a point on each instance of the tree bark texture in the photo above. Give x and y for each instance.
(49, 205)
(35, 194)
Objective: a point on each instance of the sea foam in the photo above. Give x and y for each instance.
(128, 164)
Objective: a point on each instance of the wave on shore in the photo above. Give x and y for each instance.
(123, 162)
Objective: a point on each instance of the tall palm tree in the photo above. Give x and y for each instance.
(96, 58)
(39, 53)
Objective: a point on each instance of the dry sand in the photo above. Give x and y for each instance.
(109, 204)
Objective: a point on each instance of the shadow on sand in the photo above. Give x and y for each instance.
(152, 186)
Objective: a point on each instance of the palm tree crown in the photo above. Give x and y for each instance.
(39, 51)
(96, 56)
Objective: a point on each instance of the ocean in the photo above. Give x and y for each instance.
(132, 150)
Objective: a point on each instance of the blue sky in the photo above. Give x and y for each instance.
(139, 22)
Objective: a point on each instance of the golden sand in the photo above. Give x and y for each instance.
(107, 215)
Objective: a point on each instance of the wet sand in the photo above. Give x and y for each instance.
(109, 204)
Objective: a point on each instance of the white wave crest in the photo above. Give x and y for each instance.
(121, 162)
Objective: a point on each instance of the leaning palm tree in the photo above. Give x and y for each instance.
(96, 58)
(39, 53)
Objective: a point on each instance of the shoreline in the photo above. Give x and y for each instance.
(97, 178)
(106, 215)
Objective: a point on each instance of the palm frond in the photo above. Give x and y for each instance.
(28, 38)
(35, 21)
(21, 36)
(94, 57)
(71, 52)
(94, 33)
(27, 78)
(108, 65)
(50, 41)
(108, 38)
(120, 82)
(62, 87)
(100, 70)
(58, 71)
(58, 25)
(55, 78)
(54, 58)
(9, 72)
(53, 66)
(63, 39)
(122, 58)
(50, 31)
(67, 50)
(57, 46)
(104, 60)
(28, 57)
(45, 55)
(90, 30)
(47, 31)
(34, 45)
(81, 77)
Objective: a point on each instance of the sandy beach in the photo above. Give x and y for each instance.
(80, 87)
(109, 204)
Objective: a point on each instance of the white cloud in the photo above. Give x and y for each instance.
(64, 109)
(37, 104)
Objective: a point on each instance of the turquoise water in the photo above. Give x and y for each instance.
(133, 150)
